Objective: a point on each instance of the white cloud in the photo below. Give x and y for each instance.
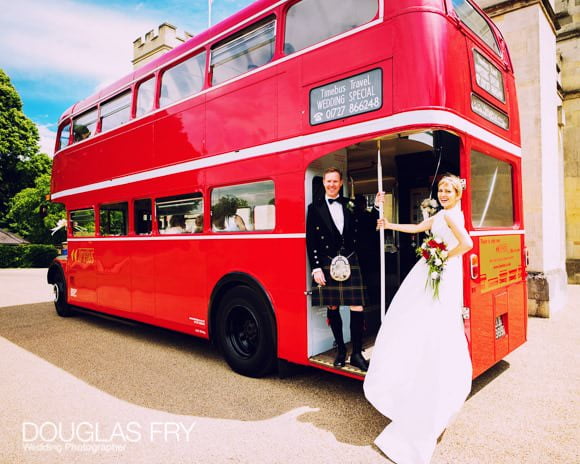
(68, 37)
(47, 138)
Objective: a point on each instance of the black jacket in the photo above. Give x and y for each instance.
(323, 240)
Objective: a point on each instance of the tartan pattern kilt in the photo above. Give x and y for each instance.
(351, 292)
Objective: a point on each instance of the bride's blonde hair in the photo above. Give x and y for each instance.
(454, 181)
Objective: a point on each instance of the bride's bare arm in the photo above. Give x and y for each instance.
(407, 228)
(465, 243)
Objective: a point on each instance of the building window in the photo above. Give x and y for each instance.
(182, 80)
(474, 20)
(311, 21)
(83, 222)
(116, 111)
(491, 188)
(142, 215)
(145, 97)
(182, 214)
(113, 219)
(252, 48)
(85, 125)
(244, 207)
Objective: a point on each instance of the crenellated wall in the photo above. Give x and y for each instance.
(156, 43)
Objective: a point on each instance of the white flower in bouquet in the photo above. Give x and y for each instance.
(435, 275)
(429, 207)
(444, 254)
(438, 262)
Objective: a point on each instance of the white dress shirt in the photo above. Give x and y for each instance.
(336, 212)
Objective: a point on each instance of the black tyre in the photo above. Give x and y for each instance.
(63, 309)
(245, 332)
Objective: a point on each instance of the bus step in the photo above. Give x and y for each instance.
(326, 358)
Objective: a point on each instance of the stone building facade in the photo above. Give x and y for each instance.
(568, 46)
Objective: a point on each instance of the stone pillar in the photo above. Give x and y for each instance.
(155, 45)
(568, 45)
(529, 28)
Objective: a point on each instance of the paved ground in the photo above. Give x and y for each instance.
(135, 394)
(21, 286)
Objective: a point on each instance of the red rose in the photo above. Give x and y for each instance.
(425, 254)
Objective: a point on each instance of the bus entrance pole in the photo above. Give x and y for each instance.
(381, 230)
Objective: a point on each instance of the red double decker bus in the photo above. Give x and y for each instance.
(186, 182)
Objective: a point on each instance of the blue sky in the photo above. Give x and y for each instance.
(57, 52)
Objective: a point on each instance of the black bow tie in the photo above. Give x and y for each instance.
(332, 200)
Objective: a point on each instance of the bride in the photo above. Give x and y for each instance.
(420, 371)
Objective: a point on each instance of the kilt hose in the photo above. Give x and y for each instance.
(351, 292)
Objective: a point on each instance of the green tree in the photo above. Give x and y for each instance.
(18, 146)
(24, 216)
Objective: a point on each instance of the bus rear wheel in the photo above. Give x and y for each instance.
(245, 332)
(63, 309)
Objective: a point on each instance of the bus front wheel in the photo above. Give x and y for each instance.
(245, 332)
(63, 309)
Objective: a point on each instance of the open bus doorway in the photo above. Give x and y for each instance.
(411, 163)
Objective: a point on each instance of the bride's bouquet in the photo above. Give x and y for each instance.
(434, 251)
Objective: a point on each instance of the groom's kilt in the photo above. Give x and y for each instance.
(350, 292)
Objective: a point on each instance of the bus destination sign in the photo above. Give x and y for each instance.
(348, 97)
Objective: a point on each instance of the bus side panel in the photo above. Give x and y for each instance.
(82, 280)
(482, 335)
(114, 154)
(498, 317)
(251, 108)
(179, 135)
(113, 264)
(180, 283)
(142, 278)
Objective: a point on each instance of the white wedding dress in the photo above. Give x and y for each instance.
(420, 369)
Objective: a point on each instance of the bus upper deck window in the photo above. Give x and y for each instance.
(253, 48)
(64, 138)
(145, 97)
(182, 80)
(116, 111)
(84, 125)
(312, 21)
(476, 22)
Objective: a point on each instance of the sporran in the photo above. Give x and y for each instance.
(340, 268)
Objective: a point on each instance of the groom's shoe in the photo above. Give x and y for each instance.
(340, 360)
(357, 360)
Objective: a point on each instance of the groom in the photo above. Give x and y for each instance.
(331, 230)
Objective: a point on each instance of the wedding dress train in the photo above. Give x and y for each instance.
(420, 369)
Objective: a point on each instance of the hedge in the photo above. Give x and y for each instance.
(27, 255)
